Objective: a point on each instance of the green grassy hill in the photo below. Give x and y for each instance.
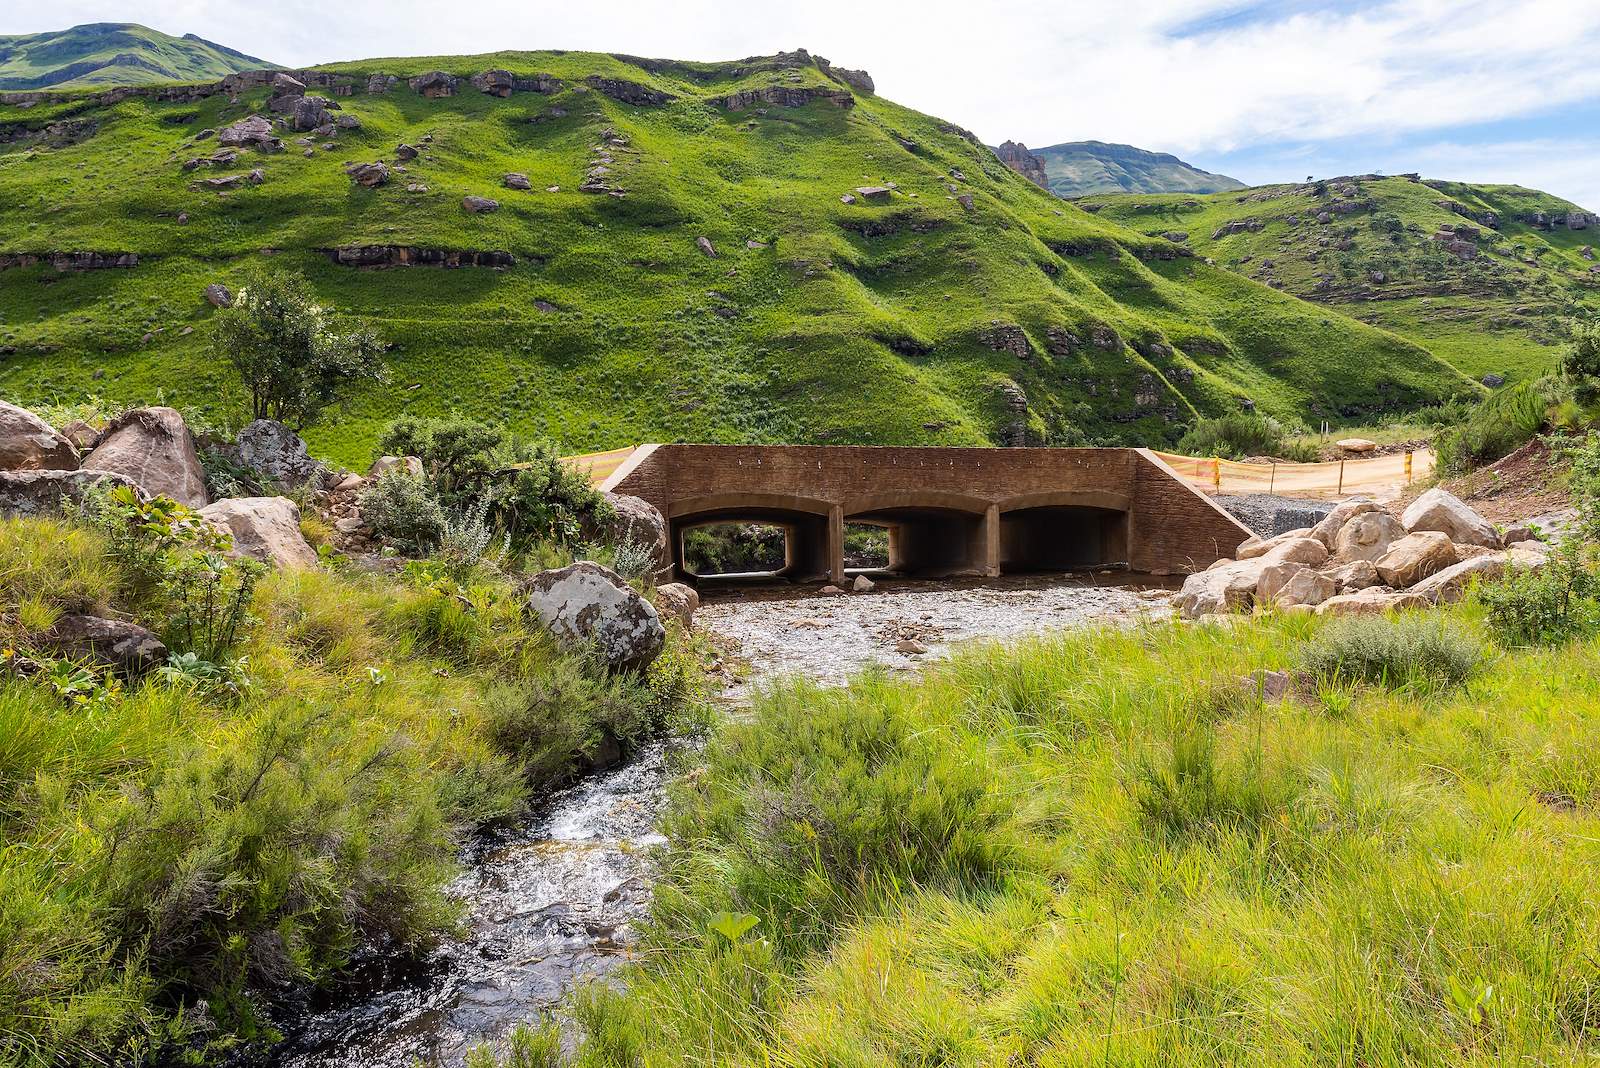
(113, 53)
(1082, 168)
(965, 306)
(1480, 274)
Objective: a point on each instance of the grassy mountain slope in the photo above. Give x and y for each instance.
(913, 319)
(1081, 168)
(1454, 266)
(113, 53)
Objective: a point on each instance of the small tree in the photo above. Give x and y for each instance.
(292, 359)
(1580, 361)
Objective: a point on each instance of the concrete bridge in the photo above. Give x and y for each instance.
(948, 511)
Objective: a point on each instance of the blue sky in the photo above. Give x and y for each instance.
(1478, 90)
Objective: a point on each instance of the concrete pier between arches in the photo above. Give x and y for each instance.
(948, 511)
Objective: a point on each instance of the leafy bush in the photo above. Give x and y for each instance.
(633, 561)
(1580, 360)
(285, 348)
(209, 597)
(1240, 434)
(464, 544)
(144, 537)
(1413, 651)
(1499, 426)
(404, 511)
(1547, 606)
(1583, 483)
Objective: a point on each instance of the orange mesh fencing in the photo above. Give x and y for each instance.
(599, 465)
(1379, 476)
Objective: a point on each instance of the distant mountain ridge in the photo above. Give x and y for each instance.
(1087, 168)
(114, 53)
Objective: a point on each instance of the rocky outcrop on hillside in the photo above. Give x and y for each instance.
(1360, 558)
(1015, 154)
(412, 256)
(787, 96)
(628, 92)
(70, 261)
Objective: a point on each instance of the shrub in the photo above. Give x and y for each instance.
(1413, 651)
(1547, 606)
(291, 358)
(633, 561)
(1500, 425)
(1580, 360)
(1583, 483)
(209, 597)
(464, 544)
(402, 510)
(1240, 434)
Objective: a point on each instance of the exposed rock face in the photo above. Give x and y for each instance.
(253, 131)
(587, 605)
(1441, 510)
(677, 601)
(29, 493)
(154, 449)
(435, 84)
(311, 113)
(1015, 154)
(263, 528)
(28, 443)
(407, 256)
(128, 648)
(1367, 536)
(477, 205)
(629, 92)
(70, 261)
(503, 83)
(786, 96)
(278, 453)
(1373, 601)
(1415, 557)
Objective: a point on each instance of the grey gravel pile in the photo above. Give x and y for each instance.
(1268, 516)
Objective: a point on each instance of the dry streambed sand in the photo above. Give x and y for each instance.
(828, 638)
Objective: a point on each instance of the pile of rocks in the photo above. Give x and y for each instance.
(1361, 558)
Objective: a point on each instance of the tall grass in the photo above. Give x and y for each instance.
(171, 859)
(1504, 422)
(1106, 849)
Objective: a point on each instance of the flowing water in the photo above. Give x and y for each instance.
(548, 906)
(556, 902)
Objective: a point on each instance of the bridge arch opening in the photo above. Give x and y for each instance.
(1062, 537)
(801, 526)
(927, 540)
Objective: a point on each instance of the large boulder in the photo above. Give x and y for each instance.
(1356, 575)
(277, 452)
(263, 528)
(1290, 585)
(678, 601)
(154, 448)
(589, 606)
(1255, 546)
(1372, 601)
(1224, 587)
(1327, 529)
(29, 493)
(1442, 511)
(1366, 536)
(636, 521)
(126, 647)
(1415, 557)
(1450, 585)
(1303, 550)
(28, 443)
(409, 465)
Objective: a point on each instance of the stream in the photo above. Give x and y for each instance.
(555, 902)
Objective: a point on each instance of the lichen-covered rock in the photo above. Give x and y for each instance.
(1442, 511)
(28, 443)
(677, 601)
(219, 296)
(278, 453)
(153, 448)
(586, 605)
(129, 649)
(263, 528)
(1415, 557)
(30, 493)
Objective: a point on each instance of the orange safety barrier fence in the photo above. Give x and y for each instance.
(599, 465)
(1378, 476)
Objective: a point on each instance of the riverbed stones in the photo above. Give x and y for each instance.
(1442, 511)
(153, 448)
(263, 528)
(587, 605)
(674, 600)
(1415, 557)
(862, 584)
(1222, 588)
(127, 648)
(28, 443)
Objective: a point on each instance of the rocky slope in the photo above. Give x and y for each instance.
(1082, 168)
(113, 53)
(607, 249)
(1484, 275)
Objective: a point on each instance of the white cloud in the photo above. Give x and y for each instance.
(1117, 70)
